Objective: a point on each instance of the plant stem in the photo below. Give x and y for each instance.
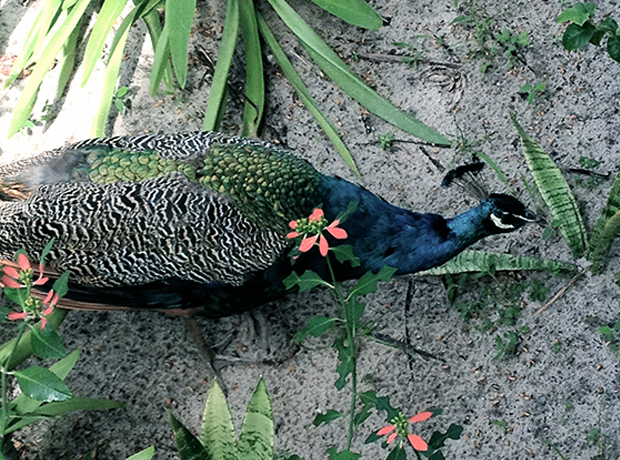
(5, 370)
(350, 328)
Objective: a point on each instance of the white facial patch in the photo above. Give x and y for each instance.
(499, 224)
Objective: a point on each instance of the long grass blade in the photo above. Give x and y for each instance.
(109, 13)
(161, 60)
(179, 17)
(23, 109)
(605, 229)
(304, 94)
(254, 79)
(48, 17)
(555, 192)
(153, 25)
(67, 61)
(26, 52)
(338, 71)
(217, 96)
(484, 262)
(111, 74)
(355, 12)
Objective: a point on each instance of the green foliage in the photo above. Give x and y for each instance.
(611, 335)
(146, 454)
(555, 192)
(217, 439)
(533, 90)
(386, 140)
(606, 228)
(583, 30)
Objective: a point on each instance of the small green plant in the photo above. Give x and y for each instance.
(350, 327)
(533, 90)
(386, 140)
(583, 30)
(44, 394)
(414, 55)
(611, 335)
(512, 45)
(217, 435)
(121, 99)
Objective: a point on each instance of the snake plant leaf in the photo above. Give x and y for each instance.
(481, 261)
(24, 106)
(217, 96)
(179, 17)
(254, 79)
(338, 71)
(188, 445)
(257, 432)
(605, 229)
(304, 94)
(355, 12)
(108, 15)
(555, 192)
(146, 454)
(218, 432)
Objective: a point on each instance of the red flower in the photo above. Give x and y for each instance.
(312, 228)
(14, 279)
(400, 426)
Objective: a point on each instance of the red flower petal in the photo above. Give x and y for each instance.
(417, 442)
(335, 231)
(392, 437)
(11, 283)
(307, 243)
(48, 311)
(421, 417)
(41, 281)
(386, 430)
(55, 299)
(292, 224)
(323, 246)
(292, 235)
(316, 214)
(43, 323)
(11, 272)
(15, 315)
(23, 261)
(48, 297)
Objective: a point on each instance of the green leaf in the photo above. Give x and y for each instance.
(344, 253)
(317, 326)
(146, 454)
(304, 94)
(54, 409)
(602, 234)
(306, 281)
(344, 455)
(161, 68)
(60, 285)
(179, 19)
(481, 261)
(438, 438)
(398, 453)
(47, 344)
(67, 60)
(555, 192)
(577, 36)
(579, 14)
(370, 398)
(110, 76)
(355, 12)
(351, 208)
(610, 25)
(337, 70)
(23, 109)
(217, 96)
(368, 282)
(257, 432)
(108, 15)
(488, 160)
(41, 384)
(218, 432)
(327, 417)
(613, 47)
(352, 312)
(188, 445)
(347, 362)
(19, 296)
(254, 79)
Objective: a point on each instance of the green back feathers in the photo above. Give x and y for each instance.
(271, 187)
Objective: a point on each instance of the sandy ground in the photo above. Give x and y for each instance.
(557, 397)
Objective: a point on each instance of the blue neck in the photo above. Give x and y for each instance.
(383, 234)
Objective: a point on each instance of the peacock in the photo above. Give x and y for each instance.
(196, 222)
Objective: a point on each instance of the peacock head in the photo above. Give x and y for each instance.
(507, 214)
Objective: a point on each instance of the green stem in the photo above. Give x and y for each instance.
(5, 370)
(350, 328)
